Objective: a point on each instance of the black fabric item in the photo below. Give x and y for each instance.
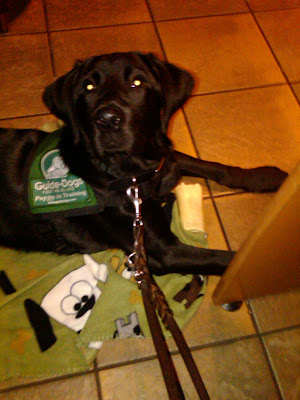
(5, 284)
(41, 324)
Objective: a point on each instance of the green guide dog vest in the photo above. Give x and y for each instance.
(52, 188)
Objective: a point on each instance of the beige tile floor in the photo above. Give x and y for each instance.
(245, 56)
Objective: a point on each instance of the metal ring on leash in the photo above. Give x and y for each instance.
(154, 299)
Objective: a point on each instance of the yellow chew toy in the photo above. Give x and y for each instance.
(189, 199)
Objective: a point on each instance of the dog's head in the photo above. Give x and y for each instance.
(120, 103)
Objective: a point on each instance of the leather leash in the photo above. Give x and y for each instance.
(154, 300)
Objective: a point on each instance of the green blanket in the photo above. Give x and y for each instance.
(64, 307)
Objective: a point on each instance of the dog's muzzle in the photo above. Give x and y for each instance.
(110, 118)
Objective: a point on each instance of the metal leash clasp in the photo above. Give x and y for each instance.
(138, 225)
(133, 194)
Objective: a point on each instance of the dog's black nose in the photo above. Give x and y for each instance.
(110, 118)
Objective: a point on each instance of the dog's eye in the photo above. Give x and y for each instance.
(138, 82)
(90, 86)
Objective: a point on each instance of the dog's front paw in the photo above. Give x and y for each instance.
(266, 179)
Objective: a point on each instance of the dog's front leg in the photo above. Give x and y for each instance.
(183, 259)
(261, 179)
(167, 255)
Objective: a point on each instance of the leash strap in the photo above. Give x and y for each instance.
(154, 300)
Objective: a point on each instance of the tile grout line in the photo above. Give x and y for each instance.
(153, 22)
(265, 351)
(280, 330)
(242, 338)
(49, 38)
(25, 116)
(274, 54)
(132, 361)
(271, 10)
(73, 29)
(194, 17)
(229, 194)
(97, 378)
(242, 89)
(46, 381)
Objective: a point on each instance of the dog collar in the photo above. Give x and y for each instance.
(122, 184)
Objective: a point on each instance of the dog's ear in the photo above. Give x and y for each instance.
(176, 84)
(59, 95)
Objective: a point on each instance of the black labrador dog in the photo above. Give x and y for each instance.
(116, 109)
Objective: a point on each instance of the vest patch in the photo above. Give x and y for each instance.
(52, 188)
